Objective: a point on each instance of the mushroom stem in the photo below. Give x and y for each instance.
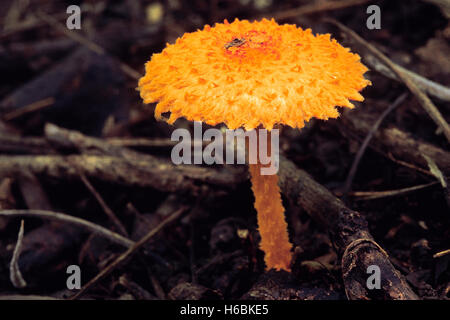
(271, 220)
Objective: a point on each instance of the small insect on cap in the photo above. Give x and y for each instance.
(246, 74)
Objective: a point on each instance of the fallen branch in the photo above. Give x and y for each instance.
(16, 144)
(432, 88)
(143, 171)
(394, 141)
(349, 233)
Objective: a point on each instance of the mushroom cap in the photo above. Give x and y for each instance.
(247, 74)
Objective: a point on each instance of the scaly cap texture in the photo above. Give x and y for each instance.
(247, 74)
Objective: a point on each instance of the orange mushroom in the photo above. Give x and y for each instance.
(255, 74)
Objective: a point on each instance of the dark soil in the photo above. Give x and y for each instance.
(211, 251)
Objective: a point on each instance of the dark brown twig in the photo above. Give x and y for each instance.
(441, 253)
(370, 195)
(363, 147)
(425, 102)
(133, 74)
(104, 206)
(393, 143)
(127, 254)
(57, 216)
(432, 88)
(143, 171)
(15, 144)
(14, 272)
(409, 165)
(33, 107)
